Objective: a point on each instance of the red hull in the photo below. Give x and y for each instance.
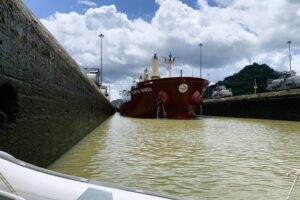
(166, 97)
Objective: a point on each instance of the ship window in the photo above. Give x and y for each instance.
(8, 105)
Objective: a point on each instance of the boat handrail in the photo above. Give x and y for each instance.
(10, 196)
(12, 159)
(296, 171)
(7, 184)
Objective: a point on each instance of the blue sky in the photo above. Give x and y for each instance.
(133, 8)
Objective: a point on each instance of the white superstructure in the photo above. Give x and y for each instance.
(221, 91)
(287, 80)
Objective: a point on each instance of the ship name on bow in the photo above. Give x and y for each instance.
(141, 90)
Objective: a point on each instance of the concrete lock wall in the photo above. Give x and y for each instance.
(283, 105)
(46, 103)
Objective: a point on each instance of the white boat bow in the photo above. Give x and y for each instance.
(23, 181)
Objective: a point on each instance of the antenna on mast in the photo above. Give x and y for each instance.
(169, 63)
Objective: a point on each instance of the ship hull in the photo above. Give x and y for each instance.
(177, 97)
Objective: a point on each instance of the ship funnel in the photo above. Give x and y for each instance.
(155, 73)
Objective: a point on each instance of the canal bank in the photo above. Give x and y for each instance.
(46, 104)
(282, 105)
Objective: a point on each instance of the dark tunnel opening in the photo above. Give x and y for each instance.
(8, 105)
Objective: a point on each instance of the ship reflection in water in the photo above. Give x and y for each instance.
(211, 158)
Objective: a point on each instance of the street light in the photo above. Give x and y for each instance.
(101, 36)
(208, 85)
(109, 95)
(289, 42)
(200, 45)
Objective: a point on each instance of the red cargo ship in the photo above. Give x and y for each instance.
(173, 97)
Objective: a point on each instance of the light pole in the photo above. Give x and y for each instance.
(101, 37)
(109, 96)
(208, 85)
(255, 86)
(289, 42)
(200, 45)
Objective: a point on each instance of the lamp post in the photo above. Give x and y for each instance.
(289, 42)
(255, 86)
(208, 85)
(101, 37)
(109, 96)
(200, 45)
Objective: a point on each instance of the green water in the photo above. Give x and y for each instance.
(207, 158)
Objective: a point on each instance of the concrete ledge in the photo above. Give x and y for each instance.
(279, 94)
(283, 105)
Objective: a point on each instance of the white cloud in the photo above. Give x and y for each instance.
(87, 3)
(232, 33)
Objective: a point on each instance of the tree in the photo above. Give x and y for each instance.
(243, 82)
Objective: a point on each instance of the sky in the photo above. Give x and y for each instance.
(234, 33)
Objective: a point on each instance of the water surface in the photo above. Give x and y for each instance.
(207, 158)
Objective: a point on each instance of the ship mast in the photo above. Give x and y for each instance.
(169, 63)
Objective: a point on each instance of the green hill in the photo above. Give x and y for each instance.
(116, 103)
(243, 82)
